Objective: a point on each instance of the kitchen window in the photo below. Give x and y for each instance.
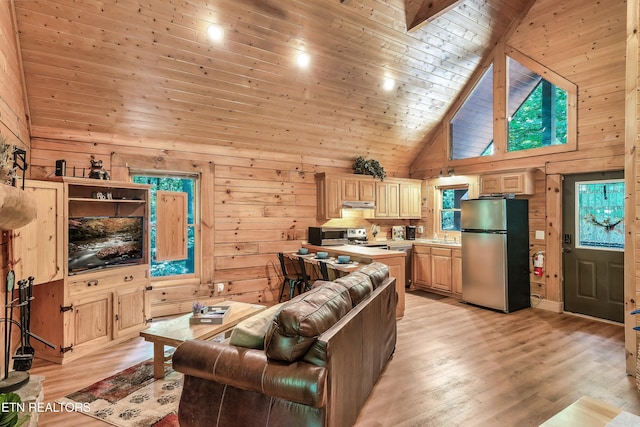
(449, 207)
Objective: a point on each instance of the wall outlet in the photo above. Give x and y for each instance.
(220, 287)
(420, 229)
(539, 235)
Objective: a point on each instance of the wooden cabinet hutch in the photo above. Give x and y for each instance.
(81, 312)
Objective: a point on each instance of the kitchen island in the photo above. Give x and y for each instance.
(395, 260)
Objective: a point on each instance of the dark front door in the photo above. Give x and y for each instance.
(593, 244)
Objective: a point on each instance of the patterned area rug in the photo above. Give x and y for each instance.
(132, 398)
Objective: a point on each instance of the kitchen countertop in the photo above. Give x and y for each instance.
(429, 242)
(357, 250)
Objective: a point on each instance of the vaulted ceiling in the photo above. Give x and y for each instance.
(146, 69)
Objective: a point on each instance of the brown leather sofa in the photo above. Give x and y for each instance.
(323, 352)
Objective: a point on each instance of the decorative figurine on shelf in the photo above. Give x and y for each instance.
(97, 172)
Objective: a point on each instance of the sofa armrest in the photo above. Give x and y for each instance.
(249, 369)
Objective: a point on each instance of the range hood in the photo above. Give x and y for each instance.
(358, 205)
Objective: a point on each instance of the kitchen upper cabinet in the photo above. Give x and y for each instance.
(411, 200)
(358, 189)
(329, 196)
(387, 200)
(516, 182)
(394, 198)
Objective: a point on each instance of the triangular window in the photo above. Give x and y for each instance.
(472, 126)
(537, 110)
(513, 108)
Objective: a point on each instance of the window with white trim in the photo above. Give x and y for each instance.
(449, 207)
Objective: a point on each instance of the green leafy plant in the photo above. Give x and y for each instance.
(10, 403)
(6, 160)
(371, 167)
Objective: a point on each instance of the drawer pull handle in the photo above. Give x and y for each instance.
(92, 283)
(128, 278)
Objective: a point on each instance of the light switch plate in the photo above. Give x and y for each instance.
(539, 234)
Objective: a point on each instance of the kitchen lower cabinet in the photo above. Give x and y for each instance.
(421, 267)
(437, 269)
(441, 269)
(456, 272)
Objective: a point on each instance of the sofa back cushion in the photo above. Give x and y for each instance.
(298, 323)
(377, 272)
(250, 332)
(358, 284)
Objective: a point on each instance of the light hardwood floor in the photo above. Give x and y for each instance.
(454, 365)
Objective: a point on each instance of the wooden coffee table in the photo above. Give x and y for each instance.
(176, 331)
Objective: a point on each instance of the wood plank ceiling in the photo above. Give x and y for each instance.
(146, 69)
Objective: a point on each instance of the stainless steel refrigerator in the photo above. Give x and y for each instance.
(495, 253)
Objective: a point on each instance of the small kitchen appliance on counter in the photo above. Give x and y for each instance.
(327, 236)
(410, 232)
(397, 232)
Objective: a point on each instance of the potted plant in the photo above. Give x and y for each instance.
(371, 167)
(6, 160)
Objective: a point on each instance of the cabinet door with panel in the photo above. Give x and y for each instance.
(516, 182)
(411, 200)
(441, 269)
(421, 266)
(350, 189)
(329, 196)
(38, 246)
(387, 200)
(367, 190)
(91, 321)
(130, 311)
(490, 184)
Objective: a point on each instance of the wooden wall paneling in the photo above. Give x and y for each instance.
(207, 226)
(553, 236)
(14, 111)
(632, 144)
(247, 69)
(168, 151)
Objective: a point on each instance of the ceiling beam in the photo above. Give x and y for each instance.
(418, 12)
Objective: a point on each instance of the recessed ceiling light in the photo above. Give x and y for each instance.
(303, 59)
(215, 32)
(388, 83)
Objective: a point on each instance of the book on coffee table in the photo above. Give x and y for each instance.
(210, 314)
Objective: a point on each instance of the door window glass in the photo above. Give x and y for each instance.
(600, 214)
